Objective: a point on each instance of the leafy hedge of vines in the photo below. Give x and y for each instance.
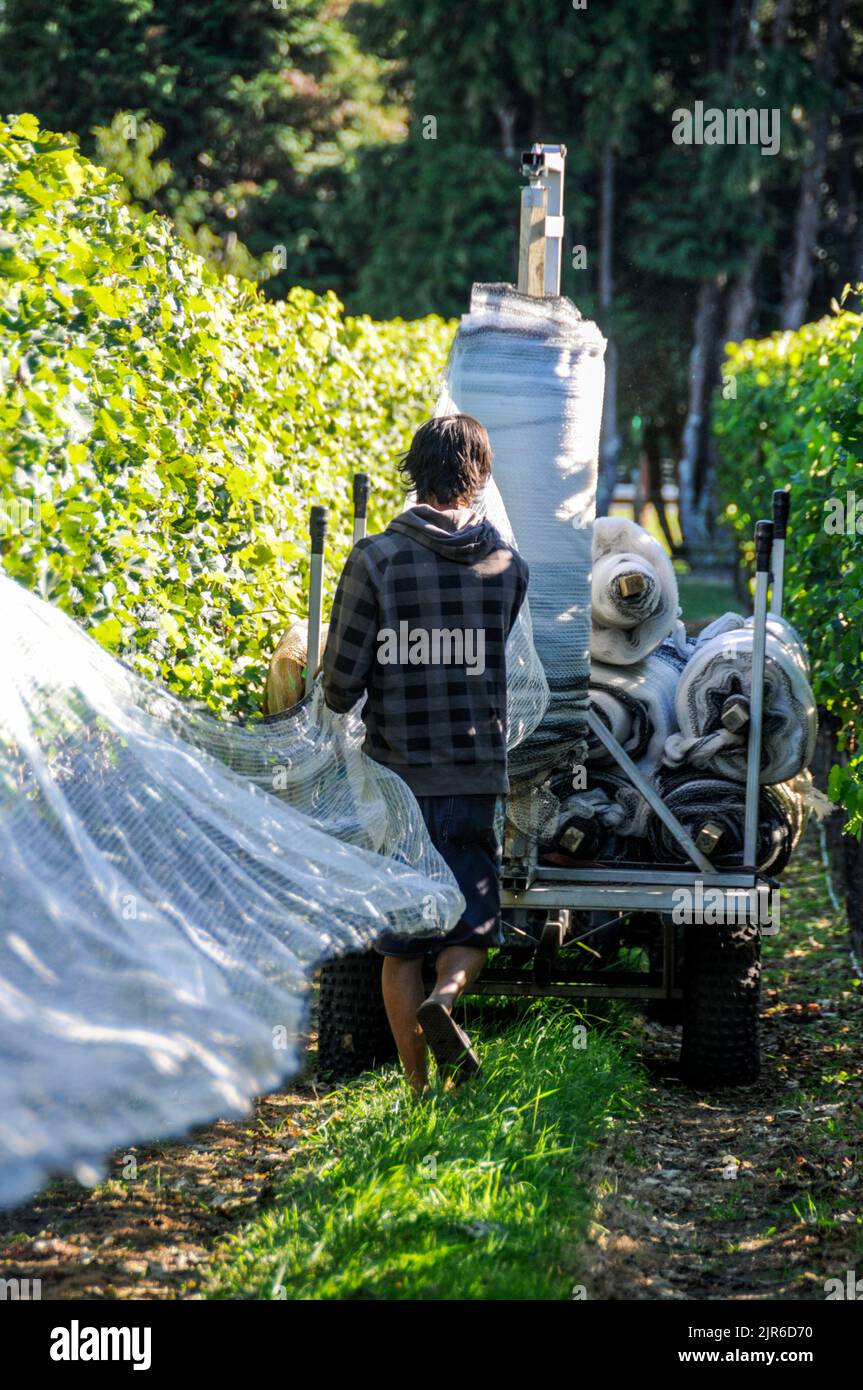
(163, 432)
(797, 418)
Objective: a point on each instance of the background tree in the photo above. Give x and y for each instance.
(258, 103)
(375, 146)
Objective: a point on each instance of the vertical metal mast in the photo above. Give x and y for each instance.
(763, 546)
(540, 251)
(318, 531)
(781, 508)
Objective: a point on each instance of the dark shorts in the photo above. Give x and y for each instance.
(466, 831)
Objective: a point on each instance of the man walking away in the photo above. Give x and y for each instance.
(419, 627)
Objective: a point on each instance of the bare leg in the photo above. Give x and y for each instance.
(457, 967)
(403, 993)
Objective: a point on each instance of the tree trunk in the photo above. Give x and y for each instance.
(609, 446)
(781, 22)
(742, 297)
(741, 300)
(727, 31)
(506, 118)
(849, 209)
(857, 262)
(652, 473)
(808, 219)
(693, 466)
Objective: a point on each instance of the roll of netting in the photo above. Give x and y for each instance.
(624, 716)
(633, 592)
(712, 810)
(636, 703)
(587, 824)
(532, 371)
(713, 709)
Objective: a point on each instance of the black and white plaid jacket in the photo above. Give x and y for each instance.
(419, 625)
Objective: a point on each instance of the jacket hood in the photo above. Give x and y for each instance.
(459, 534)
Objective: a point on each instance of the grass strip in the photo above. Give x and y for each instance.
(479, 1193)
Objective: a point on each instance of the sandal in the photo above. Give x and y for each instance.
(450, 1045)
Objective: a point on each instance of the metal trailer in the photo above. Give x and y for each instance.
(564, 927)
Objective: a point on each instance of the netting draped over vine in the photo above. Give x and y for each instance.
(161, 911)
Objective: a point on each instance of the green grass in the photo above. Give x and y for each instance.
(479, 1193)
(702, 600)
(815, 1063)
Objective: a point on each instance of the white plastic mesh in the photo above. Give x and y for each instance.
(699, 799)
(628, 627)
(527, 692)
(531, 370)
(161, 911)
(636, 703)
(720, 667)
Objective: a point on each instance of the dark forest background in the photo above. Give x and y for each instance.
(293, 141)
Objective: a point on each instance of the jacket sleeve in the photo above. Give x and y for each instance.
(349, 655)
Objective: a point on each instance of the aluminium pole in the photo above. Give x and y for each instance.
(781, 508)
(317, 532)
(763, 546)
(362, 488)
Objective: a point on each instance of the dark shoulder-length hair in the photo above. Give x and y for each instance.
(449, 459)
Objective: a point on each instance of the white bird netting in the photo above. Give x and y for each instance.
(720, 670)
(532, 371)
(162, 911)
(633, 593)
(169, 882)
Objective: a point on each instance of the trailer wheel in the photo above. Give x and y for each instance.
(721, 1004)
(353, 1032)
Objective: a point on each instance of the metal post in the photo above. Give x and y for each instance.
(362, 488)
(541, 237)
(781, 508)
(317, 531)
(650, 794)
(555, 156)
(763, 547)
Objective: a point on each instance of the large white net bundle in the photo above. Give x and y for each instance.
(720, 670)
(532, 371)
(701, 800)
(634, 593)
(777, 627)
(161, 911)
(669, 710)
(636, 703)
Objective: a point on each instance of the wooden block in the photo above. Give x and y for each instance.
(631, 585)
(571, 839)
(735, 713)
(531, 243)
(708, 837)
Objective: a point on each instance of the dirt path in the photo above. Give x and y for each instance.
(752, 1193)
(150, 1232)
(746, 1194)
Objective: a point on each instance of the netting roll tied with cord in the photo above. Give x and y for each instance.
(720, 670)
